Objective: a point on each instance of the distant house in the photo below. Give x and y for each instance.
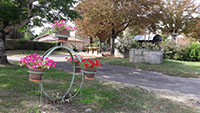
(72, 42)
(148, 38)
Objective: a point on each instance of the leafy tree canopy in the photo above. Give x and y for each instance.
(15, 14)
(178, 16)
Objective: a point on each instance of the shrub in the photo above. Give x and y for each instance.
(185, 53)
(171, 50)
(192, 52)
(28, 45)
(124, 44)
(146, 45)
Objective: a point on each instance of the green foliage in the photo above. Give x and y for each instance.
(171, 50)
(27, 45)
(34, 110)
(34, 12)
(28, 35)
(45, 31)
(192, 52)
(124, 44)
(96, 44)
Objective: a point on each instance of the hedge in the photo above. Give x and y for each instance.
(27, 45)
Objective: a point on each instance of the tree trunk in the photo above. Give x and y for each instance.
(3, 57)
(104, 45)
(100, 46)
(91, 41)
(112, 48)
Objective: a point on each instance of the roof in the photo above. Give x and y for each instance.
(75, 39)
(52, 38)
(144, 37)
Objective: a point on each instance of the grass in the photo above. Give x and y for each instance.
(169, 67)
(18, 95)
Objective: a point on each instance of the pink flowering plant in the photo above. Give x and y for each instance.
(60, 25)
(34, 61)
(69, 59)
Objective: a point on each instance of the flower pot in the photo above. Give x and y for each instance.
(64, 32)
(89, 73)
(35, 75)
(77, 67)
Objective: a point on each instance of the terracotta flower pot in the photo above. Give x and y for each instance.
(89, 73)
(64, 32)
(35, 75)
(77, 67)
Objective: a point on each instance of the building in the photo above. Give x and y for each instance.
(148, 38)
(72, 42)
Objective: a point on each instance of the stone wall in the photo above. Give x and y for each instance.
(145, 56)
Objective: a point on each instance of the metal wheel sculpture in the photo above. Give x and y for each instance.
(66, 94)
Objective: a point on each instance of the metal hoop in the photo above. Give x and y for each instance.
(70, 51)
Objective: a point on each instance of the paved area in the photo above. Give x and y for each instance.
(147, 79)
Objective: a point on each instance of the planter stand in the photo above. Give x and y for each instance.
(65, 96)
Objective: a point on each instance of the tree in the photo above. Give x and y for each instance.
(108, 18)
(28, 34)
(178, 16)
(195, 30)
(45, 31)
(15, 14)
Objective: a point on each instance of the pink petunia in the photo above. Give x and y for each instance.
(34, 66)
(28, 65)
(39, 63)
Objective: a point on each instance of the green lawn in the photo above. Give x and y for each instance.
(169, 67)
(18, 95)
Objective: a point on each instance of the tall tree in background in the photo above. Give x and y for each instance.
(111, 17)
(45, 31)
(178, 16)
(195, 30)
(15, 14)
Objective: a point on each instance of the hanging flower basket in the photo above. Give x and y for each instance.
(35, 75)
(62, 29)
(89, 73)
(37, 64)
(77, 67)
(62, 35)
(75, 60)
(90, 68)
(63, 32)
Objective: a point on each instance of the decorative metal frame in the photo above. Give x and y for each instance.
(70, 51)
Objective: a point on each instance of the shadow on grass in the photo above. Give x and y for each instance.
(19, 95)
